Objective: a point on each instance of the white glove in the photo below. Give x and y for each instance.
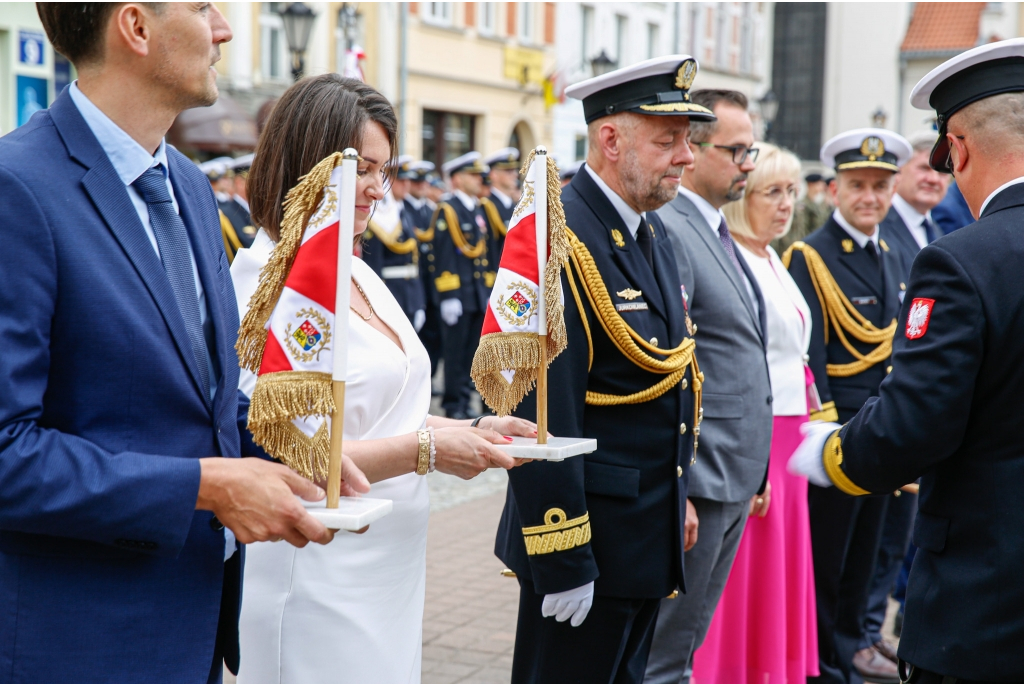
(575, 603)
(419, 317)
(806, 459)
(451, 310)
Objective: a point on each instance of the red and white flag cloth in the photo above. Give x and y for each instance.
(506, 362)
(288, 334)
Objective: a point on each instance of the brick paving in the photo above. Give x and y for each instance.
(469, 622)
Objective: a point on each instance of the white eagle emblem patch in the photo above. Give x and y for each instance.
(919, 316)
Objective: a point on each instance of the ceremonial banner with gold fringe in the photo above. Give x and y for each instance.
(506, 363)
(288, 334)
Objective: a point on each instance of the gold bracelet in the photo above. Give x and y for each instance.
(423, 461)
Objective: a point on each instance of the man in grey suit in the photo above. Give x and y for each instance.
(728, 480)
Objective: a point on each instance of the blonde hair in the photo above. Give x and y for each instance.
(773, 164)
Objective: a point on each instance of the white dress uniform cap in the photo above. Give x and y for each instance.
(866, 148)
(468, 163)
(973, 75)
(243, 162)
(505, 158)
(571, 170)
(422, 166)
(658, 86)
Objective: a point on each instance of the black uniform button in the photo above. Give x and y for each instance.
(769, 399)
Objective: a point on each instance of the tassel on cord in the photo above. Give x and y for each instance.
(306, 456)
(299, 205)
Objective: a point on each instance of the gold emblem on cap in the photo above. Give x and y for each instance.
(847, 245)
(685, 75)
(872, 148)
(617, 237)
(629, 294)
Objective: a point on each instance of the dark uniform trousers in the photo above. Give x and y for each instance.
(623, 506)
(388, 249)
(430, 333)
(459, 272)
(845, 530)
(950, 414)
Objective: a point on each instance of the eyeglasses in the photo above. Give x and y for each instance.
(740, 153)
(775, 193)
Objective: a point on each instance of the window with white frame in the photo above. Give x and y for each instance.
(439, 13)
(275, 62)
(621, 28)
(747, 38)
(486, 18)
(653, 36)
(586, 35)
(722, 36)
(524, 22)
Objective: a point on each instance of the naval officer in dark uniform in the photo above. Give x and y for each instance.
(597, 541)
(950, 411)
(421, 209)
(462, 276)
(853, 281)
(505, 192)
(391, 249)
(236, 206)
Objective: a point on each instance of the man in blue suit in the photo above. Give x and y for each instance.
(118, 376)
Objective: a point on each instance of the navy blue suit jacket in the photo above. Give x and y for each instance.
(107, 572)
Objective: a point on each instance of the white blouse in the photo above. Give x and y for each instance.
(789, 331)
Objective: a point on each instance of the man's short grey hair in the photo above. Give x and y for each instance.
(997, 124)
(923, 141)
(626, 122)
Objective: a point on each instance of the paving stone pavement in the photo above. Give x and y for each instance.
(469, 622)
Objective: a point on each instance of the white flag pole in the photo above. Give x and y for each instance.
(540, 191)
(346, 229)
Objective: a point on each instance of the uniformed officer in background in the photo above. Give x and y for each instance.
(462, 276)
(220, 177)
(236, 207)
(950, 412)
(848, 267)
(565, 175)
(504, 196)
(391, 249)
(597, 541)
(421, 208)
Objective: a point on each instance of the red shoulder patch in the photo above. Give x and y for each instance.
(918, 317)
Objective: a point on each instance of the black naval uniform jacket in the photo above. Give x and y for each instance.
(386, 263)
(951, 413)
(498, 232)
(420, 216)
(875, 296)
(240, 220)
(456, 275)
(634, 486)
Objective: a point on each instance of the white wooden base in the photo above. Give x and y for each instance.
(556, 449)
(353, 513)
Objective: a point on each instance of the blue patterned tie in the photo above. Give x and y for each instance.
(172, 239)
(730, 249)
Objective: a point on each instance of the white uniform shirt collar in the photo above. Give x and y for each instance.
(242, 201)
(997, 191)
(130, 159)
(912, 218)
(711, 215)
(469, 202)
(502, 197)
(629, 216)
(857, 236)
(416, 202)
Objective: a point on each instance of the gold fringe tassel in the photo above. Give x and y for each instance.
(521, 351)
(279, 399)
(306, 456)
(299, 205)
(843, 316)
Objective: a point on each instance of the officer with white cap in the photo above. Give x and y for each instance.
(852, 280)
(461, 275)
(505, 192)
(950, 411)
(597, 541)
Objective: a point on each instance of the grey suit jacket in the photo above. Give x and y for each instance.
(736, 434)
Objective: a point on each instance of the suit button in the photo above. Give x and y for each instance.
(769, 399)
(682, 429)
(654, 341)
(684, 384)
(679, 472)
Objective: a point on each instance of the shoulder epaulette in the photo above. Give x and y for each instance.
(391, 239)
(841, 316)
(498, 227)
(455, 230)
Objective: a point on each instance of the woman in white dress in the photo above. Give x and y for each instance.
(352, 611)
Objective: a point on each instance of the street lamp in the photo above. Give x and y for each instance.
(769, 110)
(602, 64)
(878, 118)
(298, 21)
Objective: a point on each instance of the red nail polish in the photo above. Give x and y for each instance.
(507, 438)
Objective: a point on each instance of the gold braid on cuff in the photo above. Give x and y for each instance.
(828, 412)
(832, 459)
(558, 534)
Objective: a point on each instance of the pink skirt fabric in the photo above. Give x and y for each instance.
(765, 627)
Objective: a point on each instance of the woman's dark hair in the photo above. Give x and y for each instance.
(314, 118)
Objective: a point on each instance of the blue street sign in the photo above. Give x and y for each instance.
(30, 51)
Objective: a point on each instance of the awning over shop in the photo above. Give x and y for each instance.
(222, 127)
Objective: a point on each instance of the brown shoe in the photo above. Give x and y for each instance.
(887, 649)
(874, 667)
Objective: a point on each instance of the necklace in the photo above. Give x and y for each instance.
(365, 299)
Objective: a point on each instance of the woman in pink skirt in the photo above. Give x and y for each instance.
(764, 629)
